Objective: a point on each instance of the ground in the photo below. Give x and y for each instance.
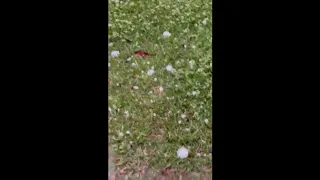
(160, 102)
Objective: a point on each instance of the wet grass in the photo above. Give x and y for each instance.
(153, 109)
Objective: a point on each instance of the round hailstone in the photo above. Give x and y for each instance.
(166, 34)
(206, 121)
(169, 68)
(115, 53)
(204, 22)
(182, 152)
(150, 72)
(121, 134)
(160, 89)
(183, 116)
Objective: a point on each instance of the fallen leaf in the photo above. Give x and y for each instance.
(158, 90)
(141, 53)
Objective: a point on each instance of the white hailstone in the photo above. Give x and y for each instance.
(160, 89)
(108, 64)
(131, 142)
(154, 114)
(129, 59)
(191, 63)
(169, 68)
(151, 101)
(194, 93)
(115, 53)
(204, 155)
(203, 141)
(128, 132)
(185, 46)
(126, 113)
(155, 79)
(193, 46)
(204, 22)
(198, 154)
(182, 152)
(134, 64)
(187, 129)
(110, 109)
(150, 72)
(110, 44)
(166, 34)
(135, 87)
(206, 121)
(121, 134)
(183, 116)
(117, 84)
(179, 122)
(148, 62)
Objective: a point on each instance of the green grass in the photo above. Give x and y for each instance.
(152, 118)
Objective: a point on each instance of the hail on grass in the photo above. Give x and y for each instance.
(121, 134)
(183, 116)
(191, 64)
(135, 87)
(166, 34)
(115, 53)
(206, 121)
(169, 68)
(150, 71)
(182, 152)
(126, 114)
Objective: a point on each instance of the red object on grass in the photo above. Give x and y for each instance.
(141, 53)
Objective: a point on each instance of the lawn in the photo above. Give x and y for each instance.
(161, 102)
